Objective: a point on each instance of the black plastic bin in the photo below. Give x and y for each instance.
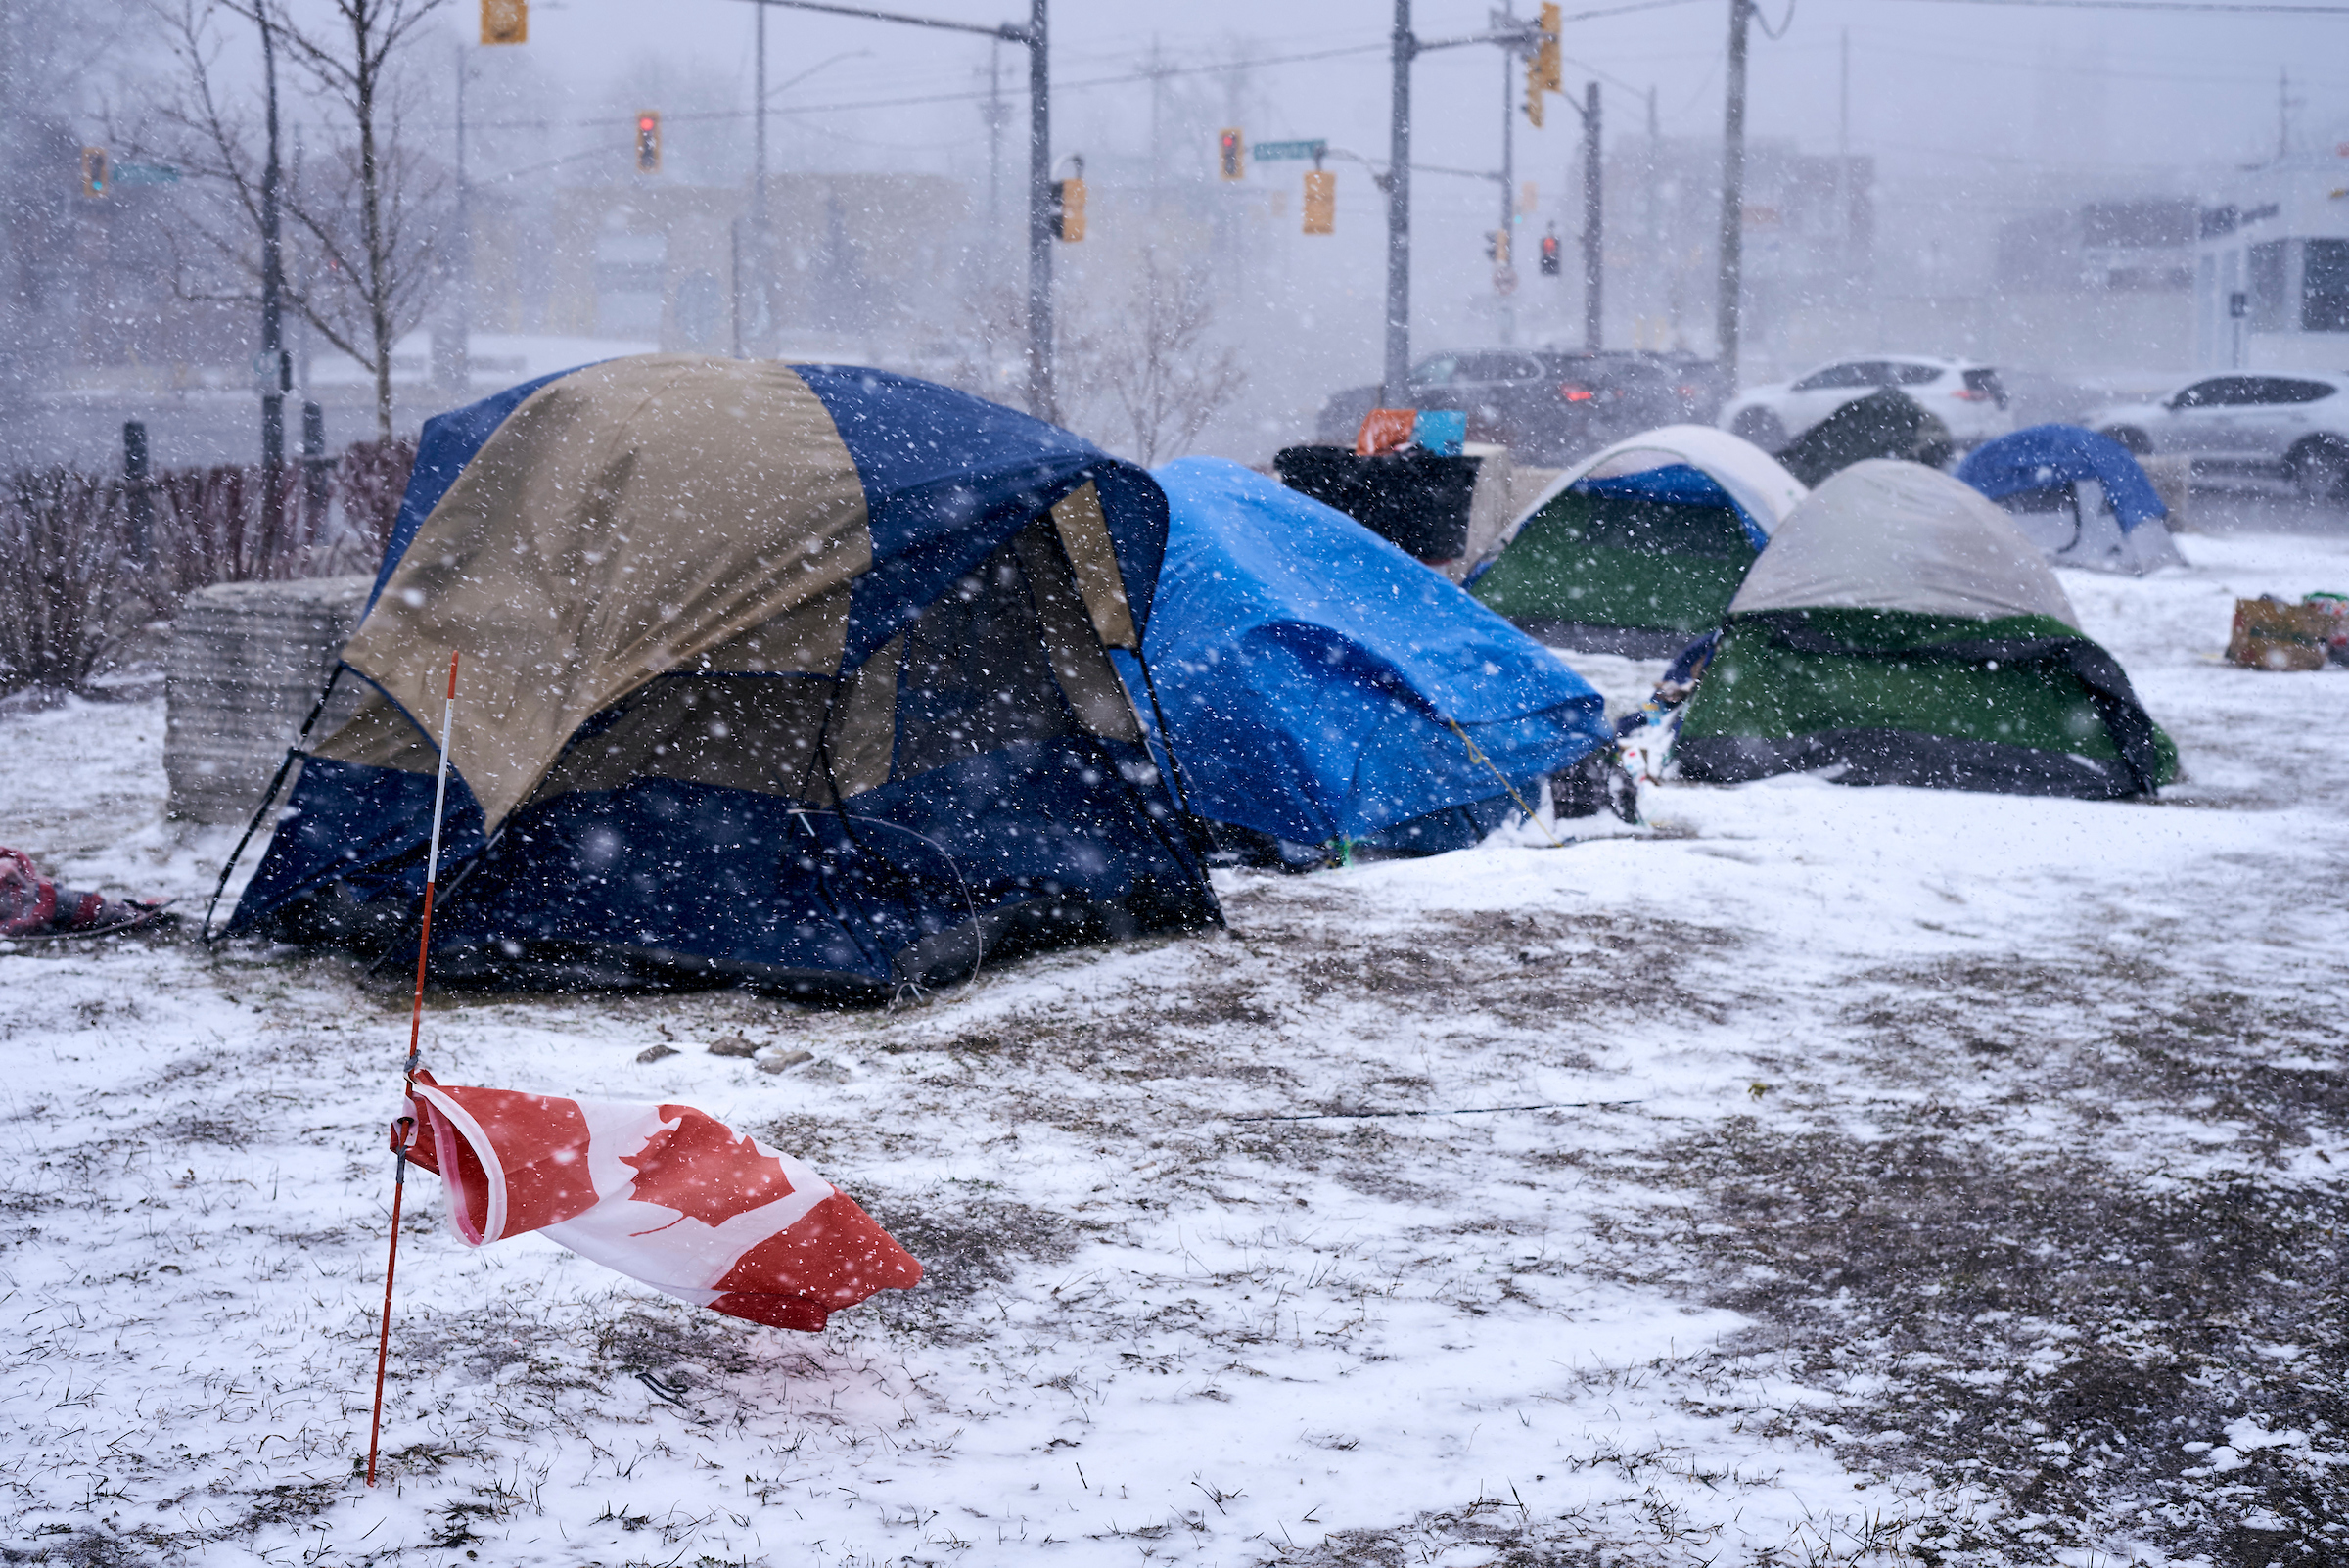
(1416, 499)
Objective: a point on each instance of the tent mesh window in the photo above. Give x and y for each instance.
(754, 732)
(976, 675)
(1663, 528)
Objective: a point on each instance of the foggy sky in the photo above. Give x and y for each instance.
(1965, 88)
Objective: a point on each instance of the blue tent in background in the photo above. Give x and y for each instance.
(1310, 675)
(2078, 495)
(793, 675)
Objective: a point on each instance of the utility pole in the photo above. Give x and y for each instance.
(1507, 253)
(1156, 70)
(1653, 248)
(1397, 370)
(452, 360)
(274, 384)
(997, 117)
(1042, 400)
(1843, 168)
(1595, 217)
(760, 247)
(1733, 193)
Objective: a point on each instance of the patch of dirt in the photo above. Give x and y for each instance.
(969, 1238)
(2050, 1328)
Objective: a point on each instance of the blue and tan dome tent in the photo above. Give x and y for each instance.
(1638, 548)
(796, 676)
(1325, 689)
(2078, 495)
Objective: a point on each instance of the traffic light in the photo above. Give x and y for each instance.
(505, 22)
(648, 141)
(1068, 210)
(1320, 201)
(1497, 246)
(1230, 154)
(1550, 262)
(96, 176)
(1544, 73)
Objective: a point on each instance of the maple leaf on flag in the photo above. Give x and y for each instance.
(665, 1194)
(704, 1170)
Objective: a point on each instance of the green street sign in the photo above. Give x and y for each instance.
(146, 174)
(1275, 152)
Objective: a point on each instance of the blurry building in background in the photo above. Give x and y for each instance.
(1809, 246)
(857, 257)
(2094, 288)
(2271, 283)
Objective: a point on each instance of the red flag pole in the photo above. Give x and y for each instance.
(404, 1131)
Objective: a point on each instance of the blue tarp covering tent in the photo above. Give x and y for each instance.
(1677, 484)
(797, 676)
(2044, 456)
(1309, 673)
(2080, 496)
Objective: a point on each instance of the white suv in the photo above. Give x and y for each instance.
(1965, 396)
(2295, 426)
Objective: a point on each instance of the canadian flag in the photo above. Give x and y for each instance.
(662, 1193)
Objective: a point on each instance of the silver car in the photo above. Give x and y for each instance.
(1967, 396)
(2292, 426)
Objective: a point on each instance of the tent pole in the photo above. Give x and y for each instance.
(404, 1129)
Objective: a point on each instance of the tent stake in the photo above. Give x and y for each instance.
(404, 1129)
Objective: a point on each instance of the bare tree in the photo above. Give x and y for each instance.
(1149, 370)
(1143, 377)
(365, 210)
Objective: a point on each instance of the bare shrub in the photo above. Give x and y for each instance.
(64, 592)
(72, 590)
(369, 481)
(236, 523)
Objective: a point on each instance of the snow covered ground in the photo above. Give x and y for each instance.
(1925, 1177)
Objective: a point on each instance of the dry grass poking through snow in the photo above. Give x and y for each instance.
(1978, 1201)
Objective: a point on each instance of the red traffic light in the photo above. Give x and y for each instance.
(648, 141)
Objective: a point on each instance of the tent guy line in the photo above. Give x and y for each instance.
(1462, 1110)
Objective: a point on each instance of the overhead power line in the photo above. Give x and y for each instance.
(1122, 80)
(2216, 7)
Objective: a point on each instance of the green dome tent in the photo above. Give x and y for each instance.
(1639, 548)
(1901, 629)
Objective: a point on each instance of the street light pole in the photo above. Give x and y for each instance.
(273, 278)
(1035, 36)
(1398, 369)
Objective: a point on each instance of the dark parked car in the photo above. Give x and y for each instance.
(1547, 406)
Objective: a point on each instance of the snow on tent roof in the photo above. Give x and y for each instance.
(1310, 671)
(2040, 457)
(797, 674)
(1656, 465)
(1884, 534)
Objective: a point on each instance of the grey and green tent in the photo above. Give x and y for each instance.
(1901, 629)
(1639, 549)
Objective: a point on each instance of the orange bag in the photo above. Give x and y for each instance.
(1386, 429)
